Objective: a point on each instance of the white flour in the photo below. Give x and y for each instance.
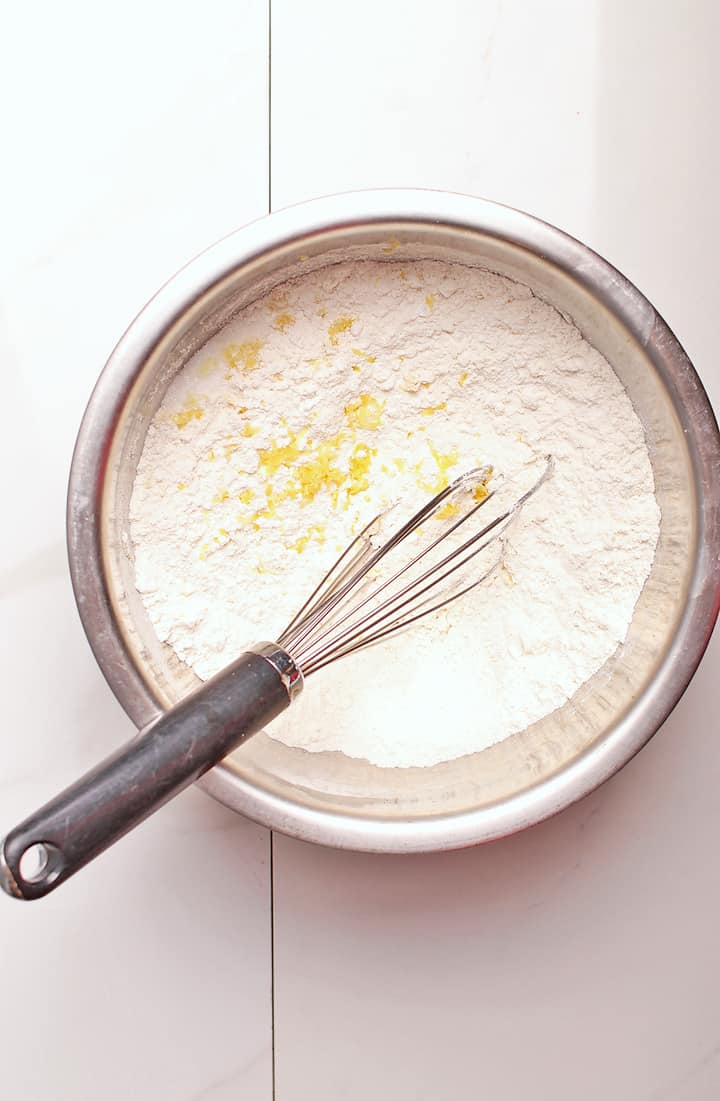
(334, 396)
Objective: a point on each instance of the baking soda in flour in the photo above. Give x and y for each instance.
(338, 394)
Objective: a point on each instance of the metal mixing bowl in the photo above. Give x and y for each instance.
(327, 797)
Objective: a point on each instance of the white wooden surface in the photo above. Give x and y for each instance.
(128, 146)
(577, 960)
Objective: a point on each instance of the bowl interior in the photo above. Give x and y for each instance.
(330, 782)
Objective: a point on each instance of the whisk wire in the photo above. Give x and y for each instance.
(326, 583)
(412, 591)
(399, 624)
(335, 648)
(335, 591)
(350, 608)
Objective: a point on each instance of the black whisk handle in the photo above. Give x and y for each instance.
(166, 756)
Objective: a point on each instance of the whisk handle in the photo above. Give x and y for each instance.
(129, 785)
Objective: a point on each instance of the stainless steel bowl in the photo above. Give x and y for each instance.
(328, 797)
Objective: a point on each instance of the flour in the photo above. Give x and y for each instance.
(334, 396)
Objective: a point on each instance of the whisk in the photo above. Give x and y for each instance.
(380, 585)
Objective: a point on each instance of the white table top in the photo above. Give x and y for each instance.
(577, 960)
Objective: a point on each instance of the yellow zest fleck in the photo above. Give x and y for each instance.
(365, 412)
(264, 513)
(355, 366)
(359, 466)
(311, 466)
(182, 485)
(443, 461)
(403, 275)
(211, 456)
(224, 533)
(245, 355)
(481, 490)
(322, 312)
(245, 496)
(430, 301)
(392, 244)
(249, 430)
(320, 472)
(192, 411)
(339, 325)
(283, 322)
(204, 551)
(299, 544)
(463, 378)
(448, 511)
(400, 464)
(220, 497)
(432, 409)
(363, 355)
(277, 455)
(230, 449)
(316, 531)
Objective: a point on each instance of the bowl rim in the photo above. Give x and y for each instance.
(584, 266)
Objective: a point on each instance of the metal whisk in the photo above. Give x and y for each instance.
(356, 604)
(380, 585)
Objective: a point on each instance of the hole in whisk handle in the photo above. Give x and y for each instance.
(41, 862)
(29, 868)
(137, 779)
